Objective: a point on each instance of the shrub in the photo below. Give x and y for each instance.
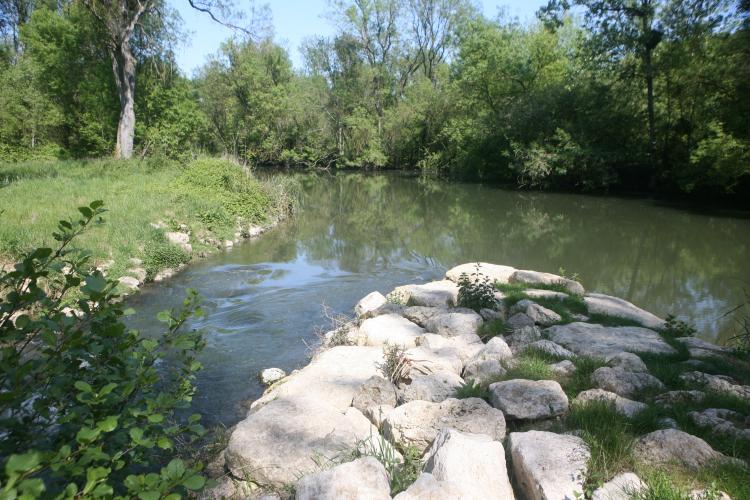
(475, 291)
(85, 411)
(471, 389)
(394, 362)
(678, 328)
(160, 254)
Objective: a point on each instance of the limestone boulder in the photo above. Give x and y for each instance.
(539, 314)
(564, 368)
(551, 348)
(723, 421)
(538, 278)
(420, 314)
(621, 487)
(425, 361)
(375, 391)
(598, 303)
(454, 322)
(286, 437)
(473, 462)
(701, 349)
(624, 406)
(376, 414)
(493, 272)
(360, 479)
(129, 282)
(333, 377)
(667, 446)
(626, 361)
(465, 346)
(369, 303)
(520, 338)
(717, 383)
(436, 387)
(519, 320)
(600, 341)
(391, 329)
(489, 362)
(545, 294)
(426, 487)
(417, 423)
(435, 294)
(626, 384)
(271, 375)
(668, 399)
(522, 399)
(547, 465)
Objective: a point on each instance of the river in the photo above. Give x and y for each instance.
(356, 233)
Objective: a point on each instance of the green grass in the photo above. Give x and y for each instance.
(471, 389)
(492, 328)
(606, 320)
(206, 195)
(580, 380)
(530, 367)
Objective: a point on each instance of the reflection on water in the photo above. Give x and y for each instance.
(357, 233)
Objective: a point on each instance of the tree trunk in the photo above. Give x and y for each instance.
(123, 65)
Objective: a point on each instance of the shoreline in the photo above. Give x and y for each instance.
(416, 382)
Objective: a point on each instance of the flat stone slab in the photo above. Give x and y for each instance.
(285, 438)
(624, 406)
(436, 387)
(474, 462)
(548, 465)
(522, 399)
(599, 303)
(588, 339)
(623, 382)
(435, 294)
(551, 348)
(392, 329)
(417, 423)
(362, 478)
(423, 360)
(701, 349)
(333, 377)
(369, 303)
(420, 314)
(375, 391)
(538, 278)
(494, 272)
(466, 346)
(426, 487)
(667, 446)
(454, 322)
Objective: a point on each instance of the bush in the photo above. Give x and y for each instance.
(678, 328)
(85, 411)
(476, 291)
(160, 254)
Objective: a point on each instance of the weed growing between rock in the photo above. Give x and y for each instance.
(472, 389)
(492, 328)
(475, 291)
(394, 364)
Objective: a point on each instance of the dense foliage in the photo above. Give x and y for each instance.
(645, 95)
(87, 405)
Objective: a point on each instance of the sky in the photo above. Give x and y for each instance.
(294, 21)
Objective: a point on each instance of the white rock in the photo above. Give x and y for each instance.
(539, 314)
(180, 239)
(494, 272)
(435, 294)
(549, 466)
(369, 303)
(708, 494)
(333, 377)
(474, 462)
(624, 383)
(139, 273)
(285, 437)
(364, 478)
(723, 421)
(701, 349)
(670, 398)
(375, 391)
(598, 303)
(626, 361)
(522, 399)
(271, 375)
(545, 294)
(551, 348)
(518, 321)
(391, 329)
(228, 244)
(454, 322)
(421, 314)
(129, 282)
(625, 406)
(425, 361)
(666, 446)
(465, 346)
(600, 341)
(718, 383)
(489, 362)
(426, 487)
(416, 423)
(538, 278)
(490, 314)
(563, 368)
(436, 387)
(520, 338)
(621, 487)
(377, 414)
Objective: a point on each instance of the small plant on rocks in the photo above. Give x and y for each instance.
(475, 291)
(678, 328)
(395, 365)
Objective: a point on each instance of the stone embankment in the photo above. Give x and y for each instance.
(396, 385)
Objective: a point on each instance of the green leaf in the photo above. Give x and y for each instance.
(86, 211)
(95, 284)
(149, 495)
(87, 435)
(164, 443)
(194, 482)
(175, 469)
(107, 389)
(96, 204)
(136, 434)
(164, 316)
(82, 386)
(156, 418)
(108, 424)
(22, 463)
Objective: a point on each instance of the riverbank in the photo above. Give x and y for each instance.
(161, 214)
(538, 390)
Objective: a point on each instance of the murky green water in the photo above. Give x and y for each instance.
(355, 234)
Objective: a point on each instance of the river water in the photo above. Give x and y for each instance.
(357, 233)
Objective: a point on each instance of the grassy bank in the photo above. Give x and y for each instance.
(211, 199)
